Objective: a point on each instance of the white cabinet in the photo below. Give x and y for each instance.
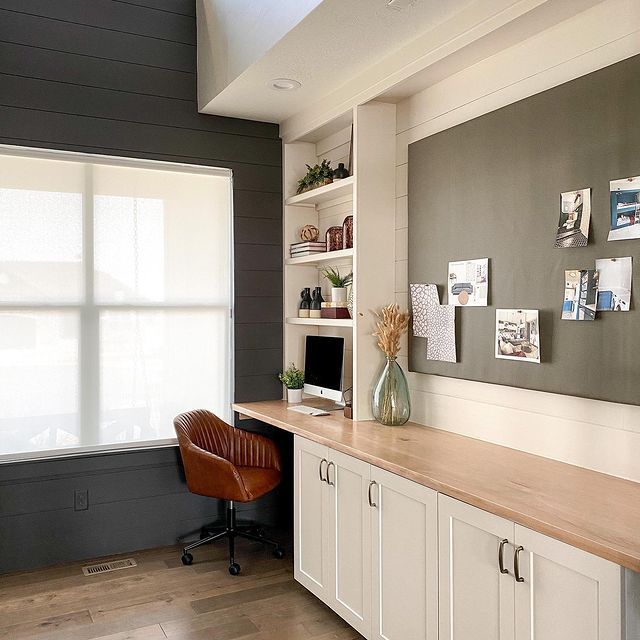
(404, 558)
(400, 562)
(549, 591)
(476, 599)
(310, 512)
(332, 530)
(349, 556)
(567, 594)
(366, 543)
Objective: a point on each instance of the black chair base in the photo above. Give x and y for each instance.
(231, 531)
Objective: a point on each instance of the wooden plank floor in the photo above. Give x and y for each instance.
(161, 598)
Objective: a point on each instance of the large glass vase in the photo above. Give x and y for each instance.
(390, 403)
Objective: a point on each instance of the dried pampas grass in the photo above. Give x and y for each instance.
(390, 327)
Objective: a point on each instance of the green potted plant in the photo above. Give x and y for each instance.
(293, 379)
(339, 283)
(316, 176)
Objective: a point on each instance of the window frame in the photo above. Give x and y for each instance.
(88, 309)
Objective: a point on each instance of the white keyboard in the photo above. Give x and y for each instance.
(309, 411)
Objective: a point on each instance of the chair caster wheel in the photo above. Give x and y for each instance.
(234, 569)
(187, 558)
(278, 552)
(260, 533)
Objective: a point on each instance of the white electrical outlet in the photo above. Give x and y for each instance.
(81, 500)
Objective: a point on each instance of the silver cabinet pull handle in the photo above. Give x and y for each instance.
(329, 481)
(371, 502)
(322, 479)
(501, 555)
(516, 564)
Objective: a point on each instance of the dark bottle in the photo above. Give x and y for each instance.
(305, 303)
(315, 309)
(341, 172)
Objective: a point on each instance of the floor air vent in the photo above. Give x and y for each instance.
(104, 567)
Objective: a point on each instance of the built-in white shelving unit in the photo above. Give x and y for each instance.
(337, 189)
(320, 258)
(369, 195)
(321, 322)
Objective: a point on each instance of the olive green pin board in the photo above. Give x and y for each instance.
(491, 187)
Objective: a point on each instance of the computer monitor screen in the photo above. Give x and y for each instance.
(323, 361)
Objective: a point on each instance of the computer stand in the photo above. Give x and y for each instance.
(322, 403)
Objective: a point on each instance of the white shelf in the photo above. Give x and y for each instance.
(337, 189)
(322, 322)
(327, 256)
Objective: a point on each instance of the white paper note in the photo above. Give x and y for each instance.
(441, 333)
(423, 296)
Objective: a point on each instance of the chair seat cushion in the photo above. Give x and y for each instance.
(258, 481)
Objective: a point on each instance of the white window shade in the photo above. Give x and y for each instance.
(40, 231)
(156, 236)
(115, 297)
(153, 364)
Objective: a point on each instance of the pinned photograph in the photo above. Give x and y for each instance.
(575, 214)
(580, 294)
(615, 283)
(469, 283)
(518, 335)
(625, 209)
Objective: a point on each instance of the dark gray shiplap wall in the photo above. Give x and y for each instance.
(119, 77)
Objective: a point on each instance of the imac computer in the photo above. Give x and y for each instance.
(323, 367)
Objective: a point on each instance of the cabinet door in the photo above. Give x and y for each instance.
(567, 593)
(476, 599)
(349, 566)
(404, 559)
(310, 511)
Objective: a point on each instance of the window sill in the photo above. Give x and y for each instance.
(81, 452)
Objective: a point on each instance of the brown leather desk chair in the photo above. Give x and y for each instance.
(223, 462)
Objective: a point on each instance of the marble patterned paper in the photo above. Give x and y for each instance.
(423, 296)
(441, 333)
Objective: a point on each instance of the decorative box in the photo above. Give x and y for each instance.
(335, 313)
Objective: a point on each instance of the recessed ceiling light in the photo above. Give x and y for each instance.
(400, 5)
(284, 84)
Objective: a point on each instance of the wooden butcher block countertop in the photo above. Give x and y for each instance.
(586, 509)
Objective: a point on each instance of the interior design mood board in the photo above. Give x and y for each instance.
(491, 187)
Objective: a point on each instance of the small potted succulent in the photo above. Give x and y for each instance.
(339, 283)
(293, 379)
(316, 176)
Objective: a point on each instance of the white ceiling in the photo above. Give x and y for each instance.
(330, 44)
(239, 32)
(347, 52)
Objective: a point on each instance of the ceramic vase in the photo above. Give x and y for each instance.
(347, 233)
(341, 172)
(294, 396)
(305, 303)
(333, 238)
(315, 308)
(338, 294)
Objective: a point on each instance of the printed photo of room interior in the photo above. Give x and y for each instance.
(580, 294)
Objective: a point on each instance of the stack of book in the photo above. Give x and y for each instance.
(335, 311)
(299, 249)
